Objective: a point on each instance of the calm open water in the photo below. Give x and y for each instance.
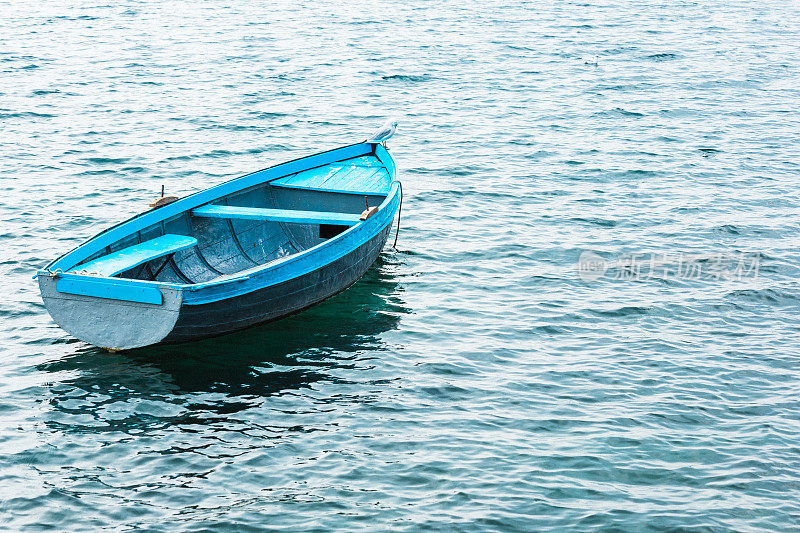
(476, 378)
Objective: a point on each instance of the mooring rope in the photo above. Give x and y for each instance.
(399, 212)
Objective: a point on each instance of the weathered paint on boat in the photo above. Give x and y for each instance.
(268, 244)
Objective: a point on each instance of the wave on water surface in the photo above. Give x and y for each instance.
(590, 321)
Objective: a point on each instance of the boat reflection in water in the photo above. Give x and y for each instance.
(198, 382)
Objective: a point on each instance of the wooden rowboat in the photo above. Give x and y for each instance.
(248, 251)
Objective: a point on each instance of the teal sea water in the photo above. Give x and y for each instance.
(479, 377)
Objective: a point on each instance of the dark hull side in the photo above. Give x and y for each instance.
(277, 301)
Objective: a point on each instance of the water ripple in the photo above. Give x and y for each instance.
(476, 378)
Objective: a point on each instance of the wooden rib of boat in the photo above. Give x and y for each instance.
(248, 251)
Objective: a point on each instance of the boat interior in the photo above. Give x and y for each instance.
(248, 228)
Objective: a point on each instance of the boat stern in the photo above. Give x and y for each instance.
(111, 313)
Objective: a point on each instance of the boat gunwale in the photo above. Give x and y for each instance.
(247, 274)
(211, 194)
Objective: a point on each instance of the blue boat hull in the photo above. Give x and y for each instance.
(277, 301)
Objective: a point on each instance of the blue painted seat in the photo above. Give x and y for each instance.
(364, 175)
(278, 215)
(132, 256)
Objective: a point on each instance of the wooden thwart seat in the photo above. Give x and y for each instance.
(132, 256)
(278, 215)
